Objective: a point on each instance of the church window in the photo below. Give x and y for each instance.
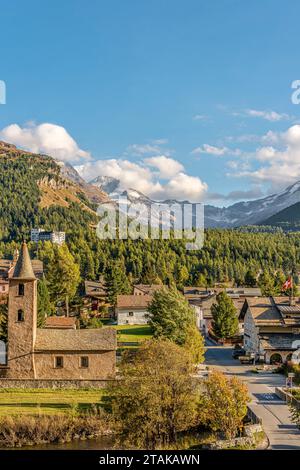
(59, 362)
(84, 362)
(21, 289)
(20, 315)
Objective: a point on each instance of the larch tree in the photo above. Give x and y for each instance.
(157, 396)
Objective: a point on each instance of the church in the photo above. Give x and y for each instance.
(51, 353)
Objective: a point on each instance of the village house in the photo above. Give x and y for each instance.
(7, 269)
(271, 328)
(132, 309)
(146, 289)
(95, 294)
(202, 299)
(51, 353)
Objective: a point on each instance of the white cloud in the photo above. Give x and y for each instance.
(269, 115)
(47, 138)
(140, 176)
(167, 167)
(211, 150)
(200, 117)
(278, 165)
(155, 147)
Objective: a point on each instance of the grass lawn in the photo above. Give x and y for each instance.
(133, 333)
(47, 401)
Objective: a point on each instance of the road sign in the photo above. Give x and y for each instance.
(291, 374)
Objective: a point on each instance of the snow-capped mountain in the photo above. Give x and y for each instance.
(241, 213)
(252, 212)
(147, 206)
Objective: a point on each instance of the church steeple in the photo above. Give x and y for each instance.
(23, 269)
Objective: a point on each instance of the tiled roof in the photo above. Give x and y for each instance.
(60, 322)
(55, 339)
(133, 301)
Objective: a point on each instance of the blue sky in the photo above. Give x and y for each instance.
(174, 97)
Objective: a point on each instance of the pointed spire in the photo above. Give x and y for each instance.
(23, 268)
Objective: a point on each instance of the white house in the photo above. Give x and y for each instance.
(132, 309)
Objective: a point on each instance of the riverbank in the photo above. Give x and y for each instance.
(24, 431)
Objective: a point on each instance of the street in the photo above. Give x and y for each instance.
(281, 432)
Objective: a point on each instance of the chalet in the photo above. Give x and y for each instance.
(271, 328)
(146, 289)
(55, 353)
(95, 293)
(132, 309)
(205, 297)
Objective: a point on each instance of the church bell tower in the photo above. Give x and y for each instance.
(22, 318)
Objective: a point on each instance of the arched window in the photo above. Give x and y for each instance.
(20, 315)
(21, 289)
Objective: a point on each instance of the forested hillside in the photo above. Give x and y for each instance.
(228, 256)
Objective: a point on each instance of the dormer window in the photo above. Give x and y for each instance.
(21, 289)
(20, 315)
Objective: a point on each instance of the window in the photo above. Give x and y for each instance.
(130, 314)
(59, 362)
(21, 289)
(84, 362)
(20, 315)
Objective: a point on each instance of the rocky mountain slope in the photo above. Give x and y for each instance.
(242, 213)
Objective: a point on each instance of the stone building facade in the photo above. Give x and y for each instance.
(51, 353)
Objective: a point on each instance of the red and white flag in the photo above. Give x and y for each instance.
(288, 284)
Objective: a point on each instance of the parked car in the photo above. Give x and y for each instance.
(247, 359)
(237, 352)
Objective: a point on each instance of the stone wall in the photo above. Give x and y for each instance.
(54, 384)
(102, 366)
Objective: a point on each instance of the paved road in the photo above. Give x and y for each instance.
(282, 433)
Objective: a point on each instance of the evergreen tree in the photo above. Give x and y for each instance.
(116, 282)
(44, 306)
(225, 320)
(267, 284)
(63, 275)
(170, 315)
(250, 279)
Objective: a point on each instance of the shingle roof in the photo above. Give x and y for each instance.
(60, 322)
(95, 288)
(279, 341)
(133, 301)
(55, 339)
(148, 289)
(23, 268)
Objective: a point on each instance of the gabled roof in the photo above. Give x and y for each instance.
(60, 322)
(133, 301)
(272, 311)
(55, 339)
(148, 289)
(95, 288)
